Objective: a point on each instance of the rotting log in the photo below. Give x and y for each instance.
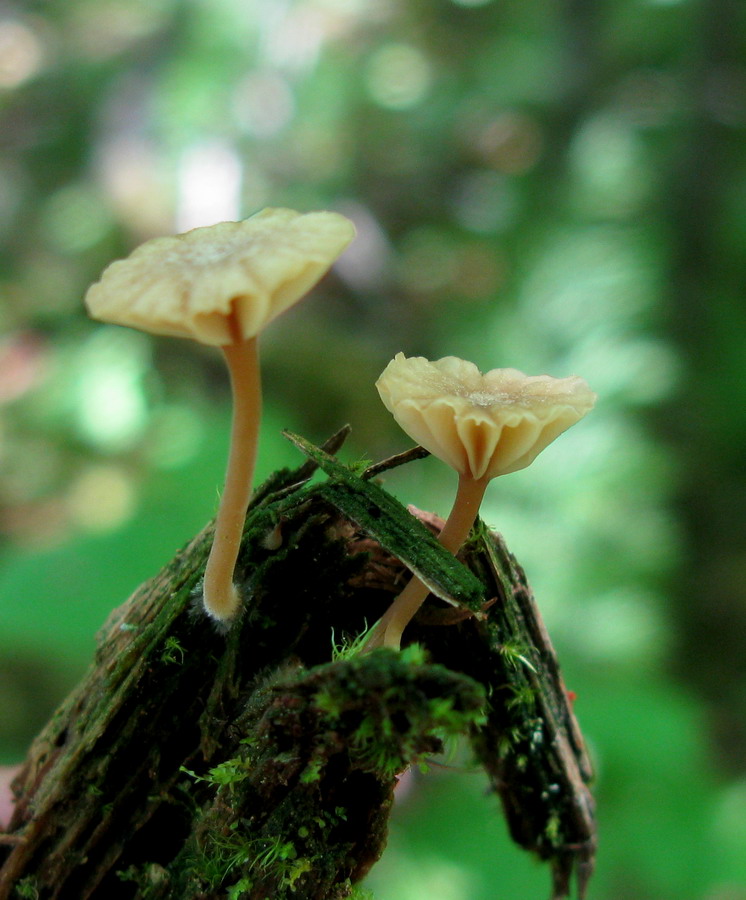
(259, 760)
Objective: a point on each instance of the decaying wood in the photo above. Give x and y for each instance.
(252, 762)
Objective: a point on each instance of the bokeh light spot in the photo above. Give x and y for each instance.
(427, 260)
(486, 202)
(639, 370)
(111, 408)
(591, 279)
(134, 183)
(263, 104)
(75, 218)
(729, 826)
(23, 363)
(365, 264)
(511, 143)
(101, 498)
(101, 29)
(291, 35)
(398, 76)
(482, 271)
(21, 53)
(611, 171)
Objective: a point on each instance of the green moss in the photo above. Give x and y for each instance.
(149, 878)
(360, 893)
(553, 830)
(239, 889)
(27, 889)
(523, 697)
(173, 652)
(516, 654)
(269, 860)
(314, 739)
(313, 771)
(349, 646)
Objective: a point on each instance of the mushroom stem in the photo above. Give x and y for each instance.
(220, 595)
(388, 631)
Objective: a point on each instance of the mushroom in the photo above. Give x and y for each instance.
(221, 285)
(482, 425)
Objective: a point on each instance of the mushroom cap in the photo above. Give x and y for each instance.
(481, 425)
(220, 281)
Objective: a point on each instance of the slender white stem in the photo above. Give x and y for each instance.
(388, 631)
(220, 596)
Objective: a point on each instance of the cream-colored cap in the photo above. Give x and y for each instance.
(481, 425)
(191, 284)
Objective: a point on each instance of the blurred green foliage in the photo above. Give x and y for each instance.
(558, 187)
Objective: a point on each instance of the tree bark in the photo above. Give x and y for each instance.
(260, 760)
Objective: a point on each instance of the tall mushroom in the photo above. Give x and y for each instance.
(221, 285)
(482, 425)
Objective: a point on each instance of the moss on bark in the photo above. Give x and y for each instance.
(196, 762)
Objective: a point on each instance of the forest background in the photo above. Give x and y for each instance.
(554, 186)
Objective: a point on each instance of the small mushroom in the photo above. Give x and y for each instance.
(482, 426)
(221, 285)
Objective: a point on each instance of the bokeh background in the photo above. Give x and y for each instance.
(555, 186)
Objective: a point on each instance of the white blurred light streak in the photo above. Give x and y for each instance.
(209, 185)
(367, 261)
